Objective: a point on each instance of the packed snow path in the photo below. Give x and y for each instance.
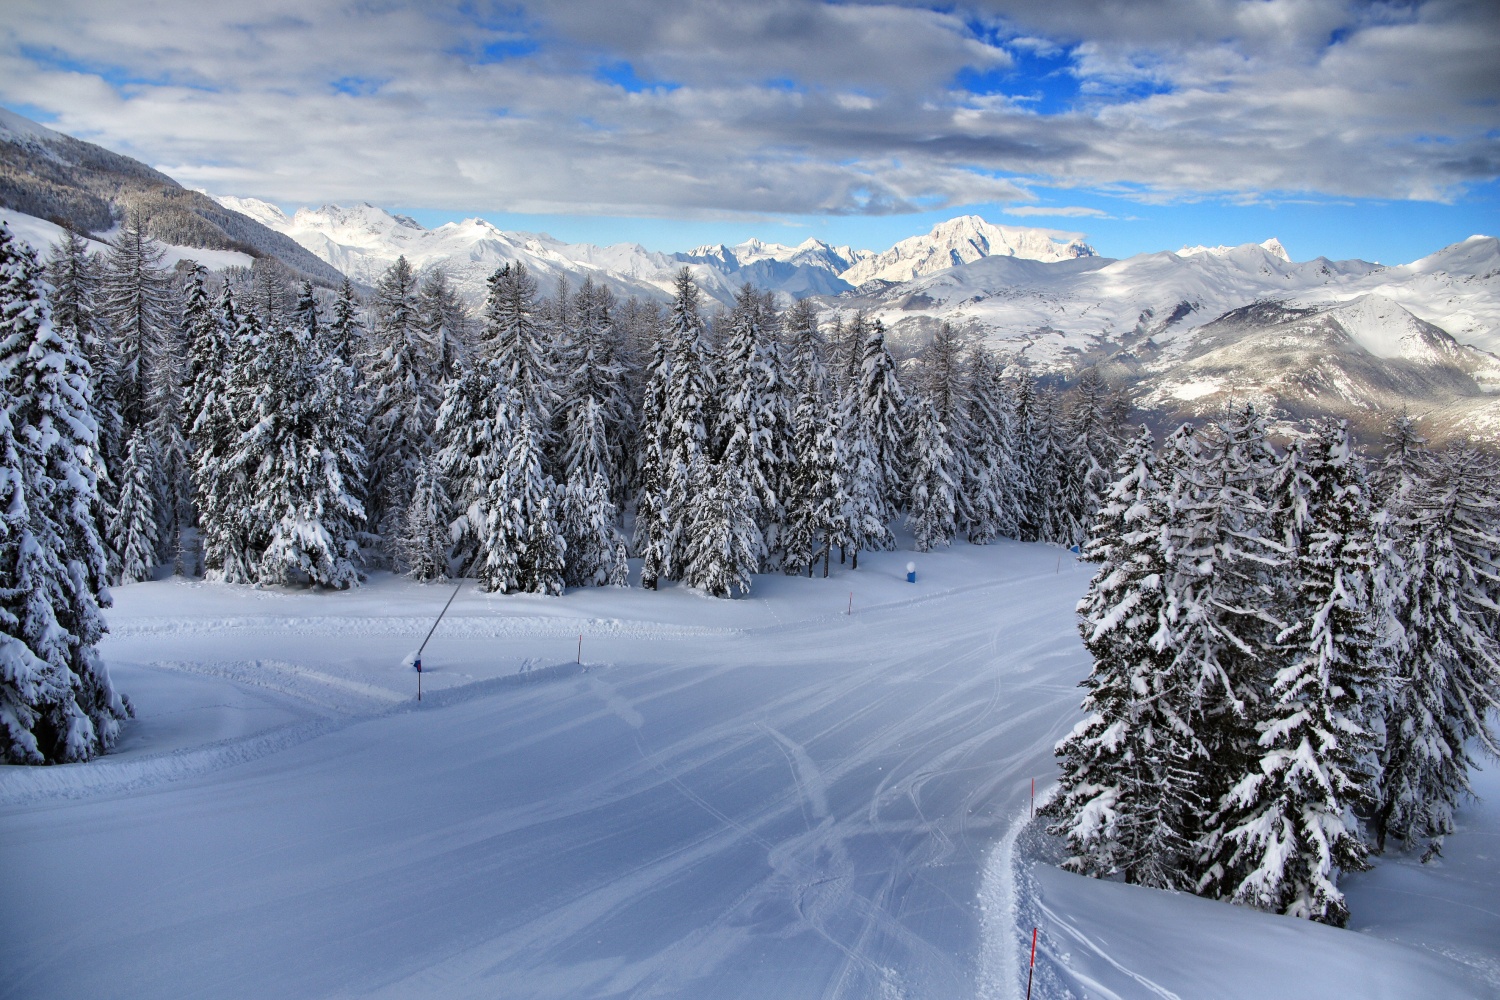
(750, 799)
(758, 798)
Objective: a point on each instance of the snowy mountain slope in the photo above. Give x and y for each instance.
(41, 234)
(89, 189)
(1359, 361)
(737, 799)
(960, 241)
(1272, 246)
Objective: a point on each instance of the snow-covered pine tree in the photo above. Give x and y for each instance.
(806, 348)
(724, 543)
(1092, 446)
(595, 371)
(223, 356)
(1050, 464)
(809, 506)
(522, 549)
(56, 700)
(881, 407)
(169, 443)
(137, 300)
(989, 501)
(1124, 804)
(653, 529)
(474, 428)
(749, 411)
(515, 341)
(1222, 611)
(864, 521)
(402, 385)
(589, 527)
(445, 323)
(297, 456)
(1446, 665)
(425, 538)
(1030, 446)
(134, 525)
(687, 415)
(73, 275)
(1284, 822)
(933, 475)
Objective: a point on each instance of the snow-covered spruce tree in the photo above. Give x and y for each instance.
(589, 527)
(1092, 445)
(724, 543)
(943, 379)
(881, 408)
(653, 529)
(933, 474)
(297, 456)
(56, 700)
(137, 301)
(521, 548)
(134, 524)
(686, 417)
(425, 538)
(222, 356)
(474, 428)
(806, 347)
(750, 411)
(989, 501)
(75, 291)
(1125, 798)
(864, 521)
(514, 340)
(595, 375)
(1050, 464)
(402, 385)
(445, 323)
(810, 512)
(1222, 608)
(1031, 499)
(1284, 822)
(1446, 666)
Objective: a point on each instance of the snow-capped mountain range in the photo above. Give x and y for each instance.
(362, 241)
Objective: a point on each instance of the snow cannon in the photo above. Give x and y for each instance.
(911, 572)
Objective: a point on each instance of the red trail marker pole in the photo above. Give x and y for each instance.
(1031, 971)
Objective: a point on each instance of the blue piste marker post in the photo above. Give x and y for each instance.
(911, 572)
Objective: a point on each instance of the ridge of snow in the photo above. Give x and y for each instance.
(1385, 329)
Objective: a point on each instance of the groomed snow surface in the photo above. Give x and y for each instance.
(762, 798)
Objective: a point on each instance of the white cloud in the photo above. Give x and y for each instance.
(781, 107)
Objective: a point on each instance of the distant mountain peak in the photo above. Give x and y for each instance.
(962, 240)
(1271, 246)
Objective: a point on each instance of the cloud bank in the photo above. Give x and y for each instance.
(782, 107)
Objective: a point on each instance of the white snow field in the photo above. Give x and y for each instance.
(760, 798)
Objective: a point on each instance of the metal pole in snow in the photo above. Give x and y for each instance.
(580, 648)
(1031, 971)
(417, 660)
(851, 604)
(1033, 798)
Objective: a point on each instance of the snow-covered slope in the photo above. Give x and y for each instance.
(41, 234)
(960, 241)
(730, 799)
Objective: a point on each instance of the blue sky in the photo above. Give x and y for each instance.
(1346, 129)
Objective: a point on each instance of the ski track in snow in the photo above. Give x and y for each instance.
(781, 803)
